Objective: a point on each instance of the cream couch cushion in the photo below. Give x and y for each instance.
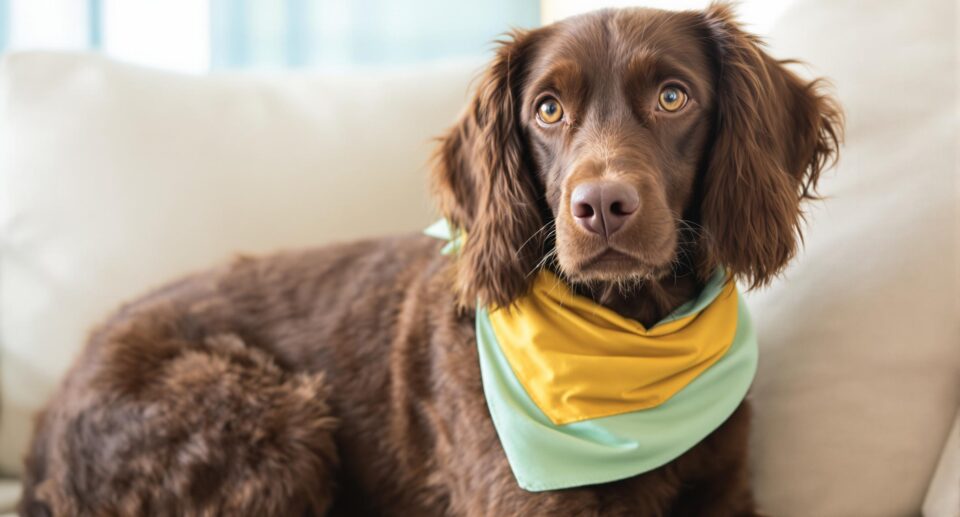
(859, 375)
(9, 495)
(943, 497)
(116, 178)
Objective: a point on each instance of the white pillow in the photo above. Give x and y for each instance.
(943, 497)
(860, 364)
(116, 178)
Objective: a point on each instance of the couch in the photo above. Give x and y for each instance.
(115, 178)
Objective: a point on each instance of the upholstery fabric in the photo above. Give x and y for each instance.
(115, 179)
(859, 375)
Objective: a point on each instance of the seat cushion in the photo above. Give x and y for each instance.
(9, 495)
(943, 497)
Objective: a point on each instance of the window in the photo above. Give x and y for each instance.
(196, 35)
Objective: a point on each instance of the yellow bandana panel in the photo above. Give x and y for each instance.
(578, 360)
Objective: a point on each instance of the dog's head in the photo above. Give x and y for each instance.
(623, 145)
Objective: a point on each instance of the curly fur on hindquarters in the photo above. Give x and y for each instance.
(235, 391)
(174, 422)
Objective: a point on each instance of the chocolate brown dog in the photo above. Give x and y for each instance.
(629, 151)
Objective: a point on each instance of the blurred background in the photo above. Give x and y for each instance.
(201, 35)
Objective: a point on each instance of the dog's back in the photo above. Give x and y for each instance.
(214, 395)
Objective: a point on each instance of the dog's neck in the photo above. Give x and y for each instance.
(648, 302)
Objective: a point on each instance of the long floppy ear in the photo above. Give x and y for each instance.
(483, 185)
(774, 134)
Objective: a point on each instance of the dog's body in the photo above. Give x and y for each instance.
(346, 379)
(412, 434)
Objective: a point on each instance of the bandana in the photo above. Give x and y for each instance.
(580, 395)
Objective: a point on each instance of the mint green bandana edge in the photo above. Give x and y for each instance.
(545, 456)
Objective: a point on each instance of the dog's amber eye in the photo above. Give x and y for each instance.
(672, 98)
(550, 111)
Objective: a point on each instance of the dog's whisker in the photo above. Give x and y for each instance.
(543, 261)
(542, 228)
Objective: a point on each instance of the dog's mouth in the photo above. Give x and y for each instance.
(613, 264)
(606, 258)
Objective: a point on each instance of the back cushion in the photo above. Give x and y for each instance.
(860, 363)
(115, 178)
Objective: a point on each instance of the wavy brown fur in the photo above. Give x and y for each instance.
(482, 184)
(775, 134)
(345, 380)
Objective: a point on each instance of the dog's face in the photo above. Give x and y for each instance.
(623, 145)
(616, 118)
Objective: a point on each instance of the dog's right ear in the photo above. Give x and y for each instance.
(483, 187)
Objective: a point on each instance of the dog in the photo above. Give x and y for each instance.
(629, 152)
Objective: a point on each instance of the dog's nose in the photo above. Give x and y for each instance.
(603, 206)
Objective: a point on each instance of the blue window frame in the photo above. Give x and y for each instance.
(325, 32)
(297, 33)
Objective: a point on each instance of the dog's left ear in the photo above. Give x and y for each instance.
(774, 134)
(482, 183)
